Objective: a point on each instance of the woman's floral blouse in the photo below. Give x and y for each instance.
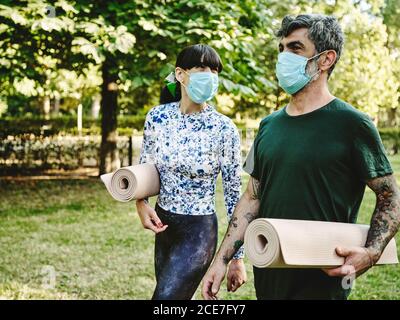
(189, 151)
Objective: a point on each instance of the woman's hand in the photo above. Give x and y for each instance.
(149, 217)
(236, 275)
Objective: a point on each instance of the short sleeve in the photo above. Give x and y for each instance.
(251, 164)
(369, 155)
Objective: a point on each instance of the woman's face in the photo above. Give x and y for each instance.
(182, 75)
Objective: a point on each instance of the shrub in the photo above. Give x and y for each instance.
(64, 125)
(56, 152)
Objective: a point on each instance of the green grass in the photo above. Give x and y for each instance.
(99, 249)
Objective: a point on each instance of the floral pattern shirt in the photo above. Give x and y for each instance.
(189, 151)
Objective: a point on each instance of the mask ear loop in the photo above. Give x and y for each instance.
(318, 54)
(182, 84)
(313, 57)
(315, 74)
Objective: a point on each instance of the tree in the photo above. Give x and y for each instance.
(135, 42)
(132, 46)
(390, 13)
(366, 74)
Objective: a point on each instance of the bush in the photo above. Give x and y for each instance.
(64, 125)
(30, 152)
(391, 139)
(43, 144)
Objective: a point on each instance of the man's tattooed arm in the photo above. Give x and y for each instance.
(255, 188)
(245, 212)
(385, 220)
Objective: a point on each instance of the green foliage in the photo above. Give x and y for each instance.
(391, 13)
(64, 125)
(60, 56)
(25, 153)
(391, 139)
(142, 38)
(364, 77)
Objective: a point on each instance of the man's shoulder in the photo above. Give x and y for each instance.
(348, 112)
(271, 117)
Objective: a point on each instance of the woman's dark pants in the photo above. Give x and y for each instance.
(183, 253)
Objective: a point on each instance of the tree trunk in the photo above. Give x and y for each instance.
(56, 109)
(392, 117)
(46, 107)
(96, 99)
(109, 158)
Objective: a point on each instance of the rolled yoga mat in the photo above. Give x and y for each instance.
(133, 182)
(281, 243)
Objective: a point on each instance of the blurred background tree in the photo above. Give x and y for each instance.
(57, 55)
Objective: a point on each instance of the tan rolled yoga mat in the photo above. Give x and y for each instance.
(133, 182)
(284, 243)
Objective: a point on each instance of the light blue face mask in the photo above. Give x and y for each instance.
(291, 71)
(202, 86)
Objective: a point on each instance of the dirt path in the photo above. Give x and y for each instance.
(78, 174)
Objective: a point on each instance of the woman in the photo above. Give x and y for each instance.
(190, 143)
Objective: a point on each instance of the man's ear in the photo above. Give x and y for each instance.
(327, 60)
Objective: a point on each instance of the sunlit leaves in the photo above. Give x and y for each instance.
(25, 86)
(87, 48)
(12, 14)
(143, 38)
(364, 75)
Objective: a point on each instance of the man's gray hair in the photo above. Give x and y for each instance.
(324, 31)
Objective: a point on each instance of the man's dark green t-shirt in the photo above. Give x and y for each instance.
(313, 167)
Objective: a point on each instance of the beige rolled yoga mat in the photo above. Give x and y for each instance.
(281, 243)
(133, 182)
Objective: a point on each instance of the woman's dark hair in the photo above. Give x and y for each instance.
(198, 55)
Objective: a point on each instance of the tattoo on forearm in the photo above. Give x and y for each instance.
(385, 220)
(236, 228)
(237, 244)
(234, 222)
(250, 216)
(256, 189)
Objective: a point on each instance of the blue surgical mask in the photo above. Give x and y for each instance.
(202, 86)
(291, 71)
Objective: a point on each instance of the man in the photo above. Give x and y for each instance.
(311, 160)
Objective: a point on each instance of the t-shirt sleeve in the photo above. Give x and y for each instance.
(251, 165)
(369, 155)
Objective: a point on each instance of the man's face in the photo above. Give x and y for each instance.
(298, 42)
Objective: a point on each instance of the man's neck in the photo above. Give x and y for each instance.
(312, 97)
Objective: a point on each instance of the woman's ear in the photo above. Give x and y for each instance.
(179, 75)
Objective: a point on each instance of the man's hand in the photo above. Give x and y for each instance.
(246, 210)
(359, 258)
(385, 222)
(212, 281)
(236, 275)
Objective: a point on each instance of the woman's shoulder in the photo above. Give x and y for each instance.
(224, 122)
(161, 111)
